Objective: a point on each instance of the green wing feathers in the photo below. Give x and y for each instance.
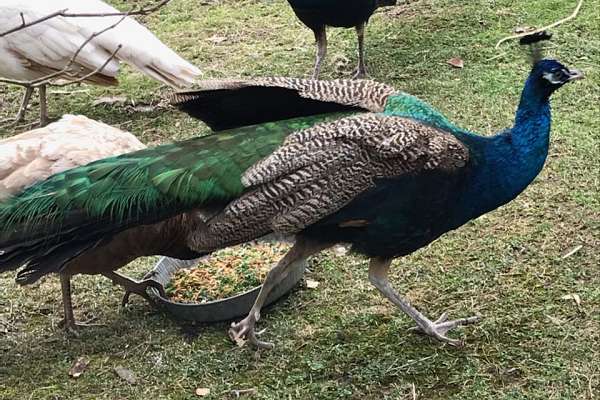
(146, 185)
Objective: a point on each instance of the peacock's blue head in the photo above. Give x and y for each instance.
(549, 75)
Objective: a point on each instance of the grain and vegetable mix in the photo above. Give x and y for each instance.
(226, 273)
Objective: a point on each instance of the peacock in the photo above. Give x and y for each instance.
(319, 14)
(72, 141)
(47, 47)
(327, 162)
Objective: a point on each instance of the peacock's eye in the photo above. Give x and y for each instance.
(556, 76)
(560, 74)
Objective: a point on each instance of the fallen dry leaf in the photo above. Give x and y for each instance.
(126, 374)
(202, 392)
(78, 367)
(456, 62)
(217, 39)
(312, 284)
(573, 296)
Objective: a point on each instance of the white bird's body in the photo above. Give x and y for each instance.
(48, 47)
(73, 141)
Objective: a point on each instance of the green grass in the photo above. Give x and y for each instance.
(343, 340)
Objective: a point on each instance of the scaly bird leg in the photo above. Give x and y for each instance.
(378, 275)
(68, 323)
(43, 106)
(321, 38)
(172, 264)
(24, 104)
(245, 329)
(133, 286)
(361, 71)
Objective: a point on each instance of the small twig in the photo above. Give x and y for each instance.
(413, 391)
(238, 392)
(64, 13)
(573, 251)
(553, 25)
(34, 22)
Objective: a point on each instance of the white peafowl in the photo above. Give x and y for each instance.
(51, 46)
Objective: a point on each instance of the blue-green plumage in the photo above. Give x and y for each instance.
(408, 212)
(445, 176)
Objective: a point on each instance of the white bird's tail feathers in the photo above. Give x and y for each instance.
(140, 48)
(57, 38)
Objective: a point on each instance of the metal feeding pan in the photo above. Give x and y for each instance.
(218, 310)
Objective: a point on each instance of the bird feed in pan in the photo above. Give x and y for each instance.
(226, 273)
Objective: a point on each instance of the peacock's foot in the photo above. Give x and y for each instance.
(244, 331)
(73, 328)
(440, 327)
(139, 288)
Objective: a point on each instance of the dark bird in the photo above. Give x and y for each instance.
(73, 141)
(319, 14)
(343, 161)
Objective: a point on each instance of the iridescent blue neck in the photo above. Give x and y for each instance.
(501, 166)
(505, 164)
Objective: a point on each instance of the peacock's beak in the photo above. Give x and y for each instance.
(575, 74)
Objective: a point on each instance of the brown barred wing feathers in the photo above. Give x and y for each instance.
(227, 104)
(319, 170)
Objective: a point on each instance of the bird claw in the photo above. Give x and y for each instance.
(243, 332)
(440, 327)
(140, 288)
(72, 328)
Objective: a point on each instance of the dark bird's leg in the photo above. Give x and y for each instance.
(361, 71)
(136, 287)
(43, 106)
(68, 323)
(173, 264)
(245, 328)
(378, 275)
(24, 104)
(321, 38)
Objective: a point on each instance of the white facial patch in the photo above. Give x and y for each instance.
(550, 77)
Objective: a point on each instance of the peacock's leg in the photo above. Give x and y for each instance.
(321, 38)
(136, 287)
(43, 106)
(244, 329)
(378, 275)
(168, 262)
(361, 71)
(24, 104)
(68, 323)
